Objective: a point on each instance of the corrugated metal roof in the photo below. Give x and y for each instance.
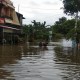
(10, 28)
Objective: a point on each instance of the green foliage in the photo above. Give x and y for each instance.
(36, 31)
(66, 28)
(71, 6)
(59, 26)
(71, 34)
(57, 36)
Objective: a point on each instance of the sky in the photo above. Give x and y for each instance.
(40, 10)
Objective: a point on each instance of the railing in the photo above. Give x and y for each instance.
(6, 17)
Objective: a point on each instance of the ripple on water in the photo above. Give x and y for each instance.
(40, 64)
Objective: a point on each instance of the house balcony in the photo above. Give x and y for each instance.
(6, 17)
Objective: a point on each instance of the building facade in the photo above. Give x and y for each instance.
(10, 22)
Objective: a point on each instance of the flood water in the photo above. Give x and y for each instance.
(54, 62)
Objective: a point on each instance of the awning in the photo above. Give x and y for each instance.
(10, 28)
(8, 21)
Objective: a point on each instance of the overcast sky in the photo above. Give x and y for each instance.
(40, 10)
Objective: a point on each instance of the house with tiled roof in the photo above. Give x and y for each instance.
(10, 22)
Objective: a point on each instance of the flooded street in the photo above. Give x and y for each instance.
(53, 62)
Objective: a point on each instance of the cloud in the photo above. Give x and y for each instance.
(50, 3)
(33, 3)
(40, 10)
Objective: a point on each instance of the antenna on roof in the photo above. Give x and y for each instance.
(18, 7)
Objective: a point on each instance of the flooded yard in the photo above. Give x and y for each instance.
(54, 62)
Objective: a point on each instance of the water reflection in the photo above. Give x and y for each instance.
(8, 55)
(67, 54)
(11, 55)
(68, 61)
(4, 74)
(22, 62)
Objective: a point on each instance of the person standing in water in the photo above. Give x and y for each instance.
(40, 44)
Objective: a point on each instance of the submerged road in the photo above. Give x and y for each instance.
(33, 63)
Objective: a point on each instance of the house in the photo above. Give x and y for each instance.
(10, 22)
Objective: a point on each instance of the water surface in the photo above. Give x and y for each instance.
(54, 62)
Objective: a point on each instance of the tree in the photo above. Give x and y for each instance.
(58, 26)
(66, 28)
(36, 31)
(71, 7)
(28, 32)
(40, 30)
(72, 31)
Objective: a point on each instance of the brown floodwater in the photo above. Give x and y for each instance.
(19, 62)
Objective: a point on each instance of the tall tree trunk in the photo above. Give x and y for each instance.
(76, 34)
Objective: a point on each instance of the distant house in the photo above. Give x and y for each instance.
(10, 22)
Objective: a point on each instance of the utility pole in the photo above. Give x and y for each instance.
(3, 37)
(18, 8)
(76, 37)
